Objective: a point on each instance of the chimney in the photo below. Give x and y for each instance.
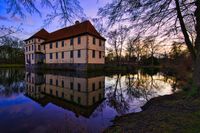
(77, 22)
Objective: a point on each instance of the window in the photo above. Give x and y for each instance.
(99, 54)
(32, 56)
(63, 43)
(56, 82)
(38, 47)
(71, 85)
(51, 91)
(26, 49)
(79, 53)
(63, 84)
(56, 93)
(93, 53)
(72, 41)
(100, 43)
(79, 87)
(79, 40)
(44, 47)
(56, 44)
(29, 48)
(79, 100)
(56, 55)
(32, 48)
(51, 56)
(51, 82)
(99, 84)
(63, 55)
(93, 87)
(94, 40)
(63, 94)
(51, 45)
(71, 54)
(38, 40)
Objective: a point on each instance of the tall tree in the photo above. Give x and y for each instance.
(151, 46)
(163, 16)
(117, 39)
(134, 47)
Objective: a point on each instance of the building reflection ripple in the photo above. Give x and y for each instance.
(79, 93)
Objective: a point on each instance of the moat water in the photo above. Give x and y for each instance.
(74, 102)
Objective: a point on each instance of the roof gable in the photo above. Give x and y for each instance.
(43, 34)
(77, 29)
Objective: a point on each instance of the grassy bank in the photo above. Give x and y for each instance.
(168, 114)
(11, 65)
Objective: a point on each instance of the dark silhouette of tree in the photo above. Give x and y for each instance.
(65, 11)
(165, 17)
(116, 40)
(151, 46)
(11, 50)
(133, 47)
(7, 31)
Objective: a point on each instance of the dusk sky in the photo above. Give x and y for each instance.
(33, 23)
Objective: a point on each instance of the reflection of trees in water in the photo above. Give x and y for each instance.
(11, 81)
(140, 85)
(136, 86)
(115, 96)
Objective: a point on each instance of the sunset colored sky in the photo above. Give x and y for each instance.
(33, 23)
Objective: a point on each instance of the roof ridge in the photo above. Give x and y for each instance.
(84, 27)
(70, 26)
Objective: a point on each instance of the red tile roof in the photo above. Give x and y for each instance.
(43, 34)
(77, 29)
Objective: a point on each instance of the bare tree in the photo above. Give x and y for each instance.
(134, 47)
(7, 31)
(64, 11)
(152, 47)
(162, 16)
(117, 39)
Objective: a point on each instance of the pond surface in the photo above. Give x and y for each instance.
(36, 102)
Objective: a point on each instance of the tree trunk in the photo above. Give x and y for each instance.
(196, 72)
(184, 31)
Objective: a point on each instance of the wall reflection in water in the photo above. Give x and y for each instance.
(60, 101)
(80, 94)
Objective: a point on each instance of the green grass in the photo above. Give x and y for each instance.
(11, 65)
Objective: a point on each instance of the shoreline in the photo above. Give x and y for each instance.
(170, 113)
(12, 66)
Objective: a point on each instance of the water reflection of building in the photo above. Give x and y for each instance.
(78, 94)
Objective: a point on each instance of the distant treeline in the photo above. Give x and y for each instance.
(11, 50)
